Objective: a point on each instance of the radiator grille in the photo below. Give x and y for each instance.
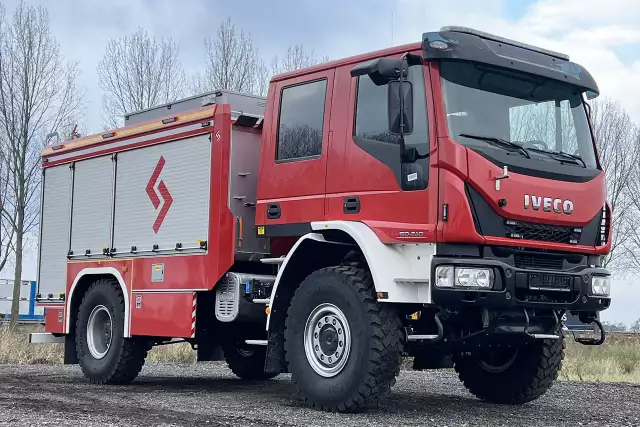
(538, 261)
(542, 232)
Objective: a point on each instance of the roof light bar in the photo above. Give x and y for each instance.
(467, 30)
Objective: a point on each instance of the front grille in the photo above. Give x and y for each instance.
(538, 261)
(542, 232)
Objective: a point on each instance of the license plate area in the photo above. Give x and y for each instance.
(549, 282)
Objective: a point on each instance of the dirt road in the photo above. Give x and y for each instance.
(208, 395)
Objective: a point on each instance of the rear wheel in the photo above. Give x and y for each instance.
(247, 361)
(512, 374)
(343, 348)
(104, 354)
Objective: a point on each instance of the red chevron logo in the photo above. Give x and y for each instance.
(164, 193)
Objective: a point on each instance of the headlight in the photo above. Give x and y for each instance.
(601, 286)
(444, 277)
(462, 277)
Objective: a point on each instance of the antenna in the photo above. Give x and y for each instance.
(393, 15)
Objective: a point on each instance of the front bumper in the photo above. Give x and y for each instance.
(511, 287)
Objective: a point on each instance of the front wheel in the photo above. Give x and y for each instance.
(343, 348)
(511, 374)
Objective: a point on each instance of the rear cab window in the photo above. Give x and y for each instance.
(301, 121)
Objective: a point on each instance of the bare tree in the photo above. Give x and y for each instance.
(618, 144)
(7, 232)
(232, 63)
(295, 58)
(138, 72)
(37, 95)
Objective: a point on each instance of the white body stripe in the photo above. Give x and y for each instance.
(403, 271)
(123, 286)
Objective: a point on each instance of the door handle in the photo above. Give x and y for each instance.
(273, 211)
(351, 205)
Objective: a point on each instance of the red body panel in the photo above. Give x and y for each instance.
(53, 320)
(166, 314)
(588, 197)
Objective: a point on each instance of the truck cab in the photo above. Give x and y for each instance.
(463, 174)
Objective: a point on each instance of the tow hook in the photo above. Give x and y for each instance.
(589, 340)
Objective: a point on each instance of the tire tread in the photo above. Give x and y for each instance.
(132, 353)
(386, 342)
(529, 384)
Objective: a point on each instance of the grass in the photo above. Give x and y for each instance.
(618, 359)
(15, 349)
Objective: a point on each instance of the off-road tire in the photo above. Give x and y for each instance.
(377, 341)
(125, 357)
(531, 374)
(247, 361)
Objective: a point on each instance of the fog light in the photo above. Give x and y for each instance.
(601, 286)
(444, 276)
(474, 278)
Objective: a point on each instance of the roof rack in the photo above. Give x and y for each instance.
(482, 34)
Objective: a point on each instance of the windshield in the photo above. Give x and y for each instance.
(546, 117)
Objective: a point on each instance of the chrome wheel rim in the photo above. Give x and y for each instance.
(327, 340)
(99, 331)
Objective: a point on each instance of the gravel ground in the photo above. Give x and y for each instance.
(209, 395)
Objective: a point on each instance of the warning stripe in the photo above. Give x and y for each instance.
(193, 317)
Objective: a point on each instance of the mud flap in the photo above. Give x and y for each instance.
(70, 354)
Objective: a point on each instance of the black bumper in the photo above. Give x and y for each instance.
(512, 290)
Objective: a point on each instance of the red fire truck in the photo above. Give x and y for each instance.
(441, 200)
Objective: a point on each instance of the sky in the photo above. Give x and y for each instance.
(601, 35)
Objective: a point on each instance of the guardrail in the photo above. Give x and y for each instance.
(31, 315)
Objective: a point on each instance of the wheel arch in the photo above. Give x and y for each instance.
(82, 282)
(311, 252)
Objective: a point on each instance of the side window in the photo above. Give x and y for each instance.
(301, 120)
(371, 112)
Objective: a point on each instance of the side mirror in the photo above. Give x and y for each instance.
(400, 105)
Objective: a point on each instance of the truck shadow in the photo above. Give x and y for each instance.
(280, 391)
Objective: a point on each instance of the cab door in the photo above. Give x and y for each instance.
(291, 181)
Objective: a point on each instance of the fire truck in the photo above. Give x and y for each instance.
(441, 200)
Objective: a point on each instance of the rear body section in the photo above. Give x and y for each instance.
(160, 205)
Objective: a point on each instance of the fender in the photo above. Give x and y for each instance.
(401, 272)
(100, 271)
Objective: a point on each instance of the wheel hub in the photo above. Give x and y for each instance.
(499, 360)
(99, 331)
(327, 340)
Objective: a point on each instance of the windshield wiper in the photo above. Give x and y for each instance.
(567, 156)
(498, 141)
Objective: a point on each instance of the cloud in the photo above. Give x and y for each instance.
(592, 33)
